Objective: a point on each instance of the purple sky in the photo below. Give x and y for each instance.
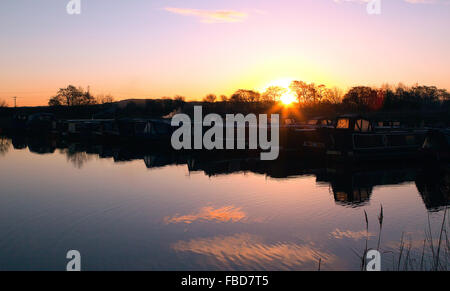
(149, 49)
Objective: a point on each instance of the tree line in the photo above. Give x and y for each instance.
(309, 95)
(362, 98)
(306, 94)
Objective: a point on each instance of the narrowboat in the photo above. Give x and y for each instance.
(40, 123)
(317, 122)
(305, 137)
(356, 137)
(19, 122)
(152, 130)
(104, 128)
(79, 128)
(108, 129)
(387, 125)
(90, 128)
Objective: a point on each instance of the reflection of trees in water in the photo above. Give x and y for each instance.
(5, 145)
(350, 184)
(434, 187)
(353, 186)
(77, 158)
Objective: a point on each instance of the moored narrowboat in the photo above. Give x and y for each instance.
(40, 123)
(19, 123)
(90, 128)
(151, 130)
(356, 137)
(305, 136)
(79, 128)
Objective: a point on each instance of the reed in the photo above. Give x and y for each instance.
(438, 260)
(435, 253)
(380, 221)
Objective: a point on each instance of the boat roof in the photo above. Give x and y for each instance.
(154, 120)
(352, 116)
(88, 120)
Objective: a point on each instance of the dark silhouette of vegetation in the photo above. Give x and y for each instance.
(416, 97)
(312, 98)
(242, 95)
(3, 103)
(72, 96)
(415, 104)
(104, 99)
(273, 94)
(210, 98)
(335, 95)
(364, 98)
(311, 94)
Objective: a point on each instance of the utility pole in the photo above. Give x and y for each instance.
(15, 101)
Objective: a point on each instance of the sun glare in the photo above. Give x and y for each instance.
(288, 98)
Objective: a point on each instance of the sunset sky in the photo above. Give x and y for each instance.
(150, 49)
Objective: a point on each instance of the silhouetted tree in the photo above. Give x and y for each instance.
(301, 89)
(425, 94)
(273, 94)
(362, 97)
(308, 94)
(72, 96)
(321, 93)
(334, 95)
(104, 99)
(245, 96)
(210, 98)
(3, 103)
(416, 97)
(224, 98)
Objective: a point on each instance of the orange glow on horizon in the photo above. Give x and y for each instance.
(288, 98)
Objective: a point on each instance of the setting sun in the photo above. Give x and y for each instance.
(288, 98)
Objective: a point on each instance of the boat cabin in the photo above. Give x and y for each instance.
(356, 124)
(41, 122)
(19, 122)
(315, 123)
(355, 135)
(387, 124)
(320, 121)
(145, 128)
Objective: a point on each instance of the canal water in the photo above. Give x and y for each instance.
(124, 208)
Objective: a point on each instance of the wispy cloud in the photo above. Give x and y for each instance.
(211, 16)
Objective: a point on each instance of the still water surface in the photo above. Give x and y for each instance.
(124, 209)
